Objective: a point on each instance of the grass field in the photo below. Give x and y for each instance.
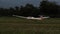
(14, 25)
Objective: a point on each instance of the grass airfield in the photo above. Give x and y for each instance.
(15, 25)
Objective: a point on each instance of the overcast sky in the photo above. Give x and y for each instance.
(13, 3)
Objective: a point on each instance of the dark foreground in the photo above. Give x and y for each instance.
(13, 25)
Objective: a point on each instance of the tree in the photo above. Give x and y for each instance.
(28, 9)
(11, 11)
(21, 10)
(1, 11)
(48, 8)
(16, 10)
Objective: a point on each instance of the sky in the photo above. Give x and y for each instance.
(13, 3)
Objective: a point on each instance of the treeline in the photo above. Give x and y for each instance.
(45, 8)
